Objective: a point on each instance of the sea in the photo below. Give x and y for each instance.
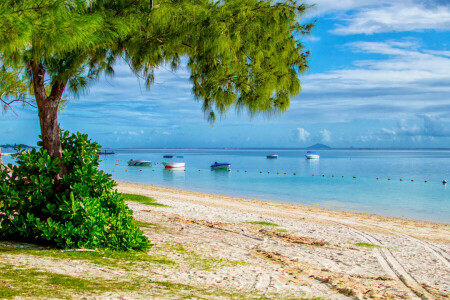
(400, 183)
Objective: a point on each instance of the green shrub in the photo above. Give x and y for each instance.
(87, 213)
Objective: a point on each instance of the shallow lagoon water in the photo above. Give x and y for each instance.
(411, 199)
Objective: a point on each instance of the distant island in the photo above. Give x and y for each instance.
(319, 146)
(16, 145)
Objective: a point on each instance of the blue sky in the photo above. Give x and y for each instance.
(379, 77)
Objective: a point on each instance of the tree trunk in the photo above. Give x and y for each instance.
(48, 116)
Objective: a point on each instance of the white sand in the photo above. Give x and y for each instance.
(311, 254)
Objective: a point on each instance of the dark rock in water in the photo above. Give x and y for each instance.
(319, 146)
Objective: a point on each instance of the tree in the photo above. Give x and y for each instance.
(244, 54)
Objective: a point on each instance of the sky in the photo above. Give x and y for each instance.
(379, 77)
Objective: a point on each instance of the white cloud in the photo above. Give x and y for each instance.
(409, 80)
(430, 127)
(299, 134)
(397, 17)
(325, 135)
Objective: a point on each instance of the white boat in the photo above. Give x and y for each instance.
(312, 155)
(221, 166)
(174, 165)
(139, 163)
(272, 156)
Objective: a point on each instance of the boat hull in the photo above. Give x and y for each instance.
(174, 165)
(139, 163)
(312, 156)
(272, 156)
(221, 167)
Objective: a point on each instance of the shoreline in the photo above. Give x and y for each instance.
(372, 221)
(295, 250)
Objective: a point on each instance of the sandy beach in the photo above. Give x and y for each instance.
(292, 251)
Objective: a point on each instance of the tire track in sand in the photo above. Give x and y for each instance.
(392, 266)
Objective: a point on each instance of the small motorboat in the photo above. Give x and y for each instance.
(312, 155)
(139, 163)
(106, 152)
(174, 165)
(168, 156)
(272, 156)
(221, 166)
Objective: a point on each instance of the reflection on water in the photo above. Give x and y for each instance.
(174, 175)
(220, 175)
(312, 165)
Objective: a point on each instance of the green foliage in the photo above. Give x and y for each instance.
(88, 213)
(242, 54)
(142, 199)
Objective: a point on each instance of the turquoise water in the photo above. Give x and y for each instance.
(412, 199)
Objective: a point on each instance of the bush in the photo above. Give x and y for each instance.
(87, 213)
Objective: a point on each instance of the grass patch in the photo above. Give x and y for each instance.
(115, 259)
(22, 281)
(367, 245)
(202, 262)
(143, 200)
(35, 283)
(282, 230)
(263, 223)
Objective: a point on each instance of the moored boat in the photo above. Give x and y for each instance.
(139, 163)
(221, 166)
(174, 165)
(106, 152)
(272, 156)
(312, 155)
(168, 156)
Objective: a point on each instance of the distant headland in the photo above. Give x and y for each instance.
(319, 146)
(16, 146)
